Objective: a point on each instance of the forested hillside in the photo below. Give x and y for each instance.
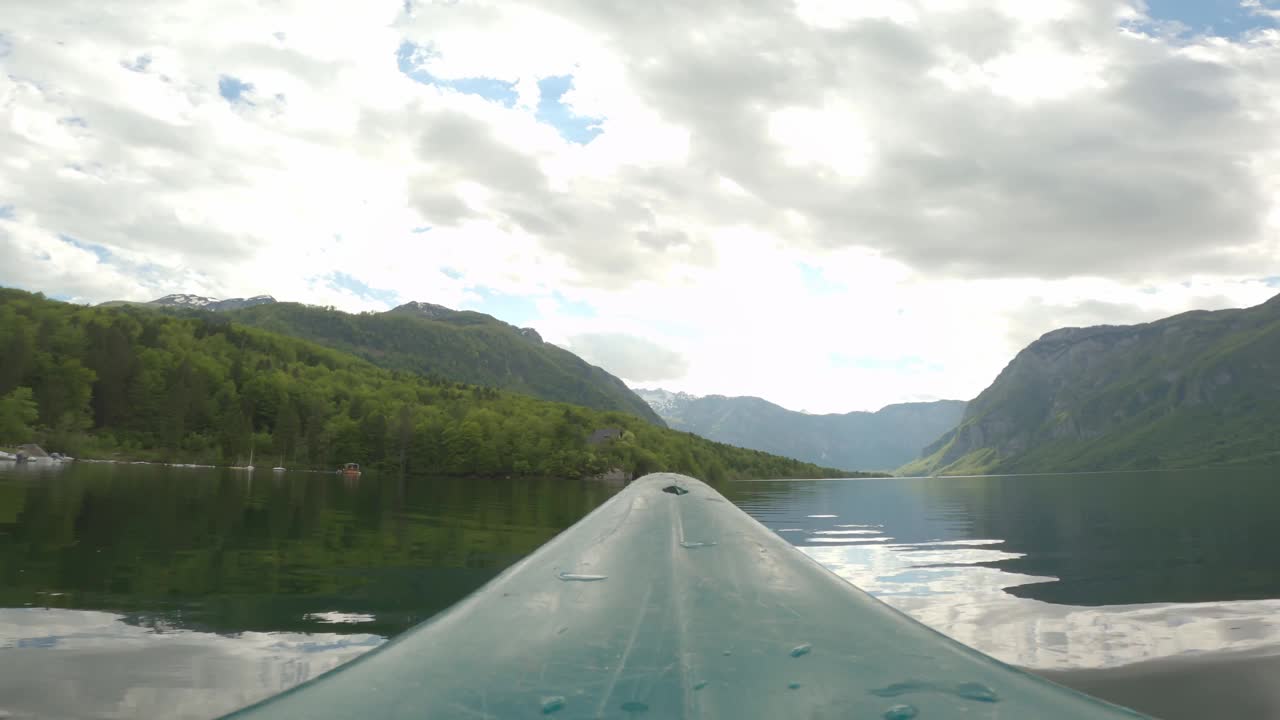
(135, 383)
(457, 345)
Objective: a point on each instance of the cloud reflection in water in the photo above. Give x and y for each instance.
(172, 673)
(940, 584)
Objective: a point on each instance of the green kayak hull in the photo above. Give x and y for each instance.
(669, 602)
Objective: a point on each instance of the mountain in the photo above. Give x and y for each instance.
(182, 300)
(200, 387)
(456, 345)
(669, 405)
(420, 337)
(1200, 388)
(863, 440)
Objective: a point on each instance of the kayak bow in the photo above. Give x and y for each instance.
(669, 602)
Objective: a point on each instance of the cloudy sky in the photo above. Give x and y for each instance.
(830, 204)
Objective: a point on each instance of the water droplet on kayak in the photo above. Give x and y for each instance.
(900, 712)
(902, 688)
(634, 706)
(581, 577)
(562, 629)
(675, 490)
(695, 544)
(977, 691)
(700, 684)
(552, 704)
(794, 686)
(727, 653)
(799, 650)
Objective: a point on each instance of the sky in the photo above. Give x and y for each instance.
(832, 205)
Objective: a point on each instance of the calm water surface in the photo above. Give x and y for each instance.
(142, 591)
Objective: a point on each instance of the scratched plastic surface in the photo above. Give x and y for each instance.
(669, 602)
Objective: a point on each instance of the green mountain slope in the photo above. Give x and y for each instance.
(883, 439)
(460, 346)
(1201, 388)
(136, 383)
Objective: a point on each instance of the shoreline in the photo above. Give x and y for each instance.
(1185, 687)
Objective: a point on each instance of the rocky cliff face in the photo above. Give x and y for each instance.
(1118, 396)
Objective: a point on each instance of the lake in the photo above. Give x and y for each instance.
(148, 591)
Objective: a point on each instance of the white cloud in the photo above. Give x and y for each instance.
(632, 358)
(825, 136)
(833, 14)
(828, 206)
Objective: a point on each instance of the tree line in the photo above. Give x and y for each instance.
(132, 383)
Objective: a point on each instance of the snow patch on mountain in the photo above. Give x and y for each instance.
(184, 299)
(207, 303)
(665, 402)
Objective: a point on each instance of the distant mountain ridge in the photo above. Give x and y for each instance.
(1196, 389)
(184, 300)
(665, 402)
(881, 440)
